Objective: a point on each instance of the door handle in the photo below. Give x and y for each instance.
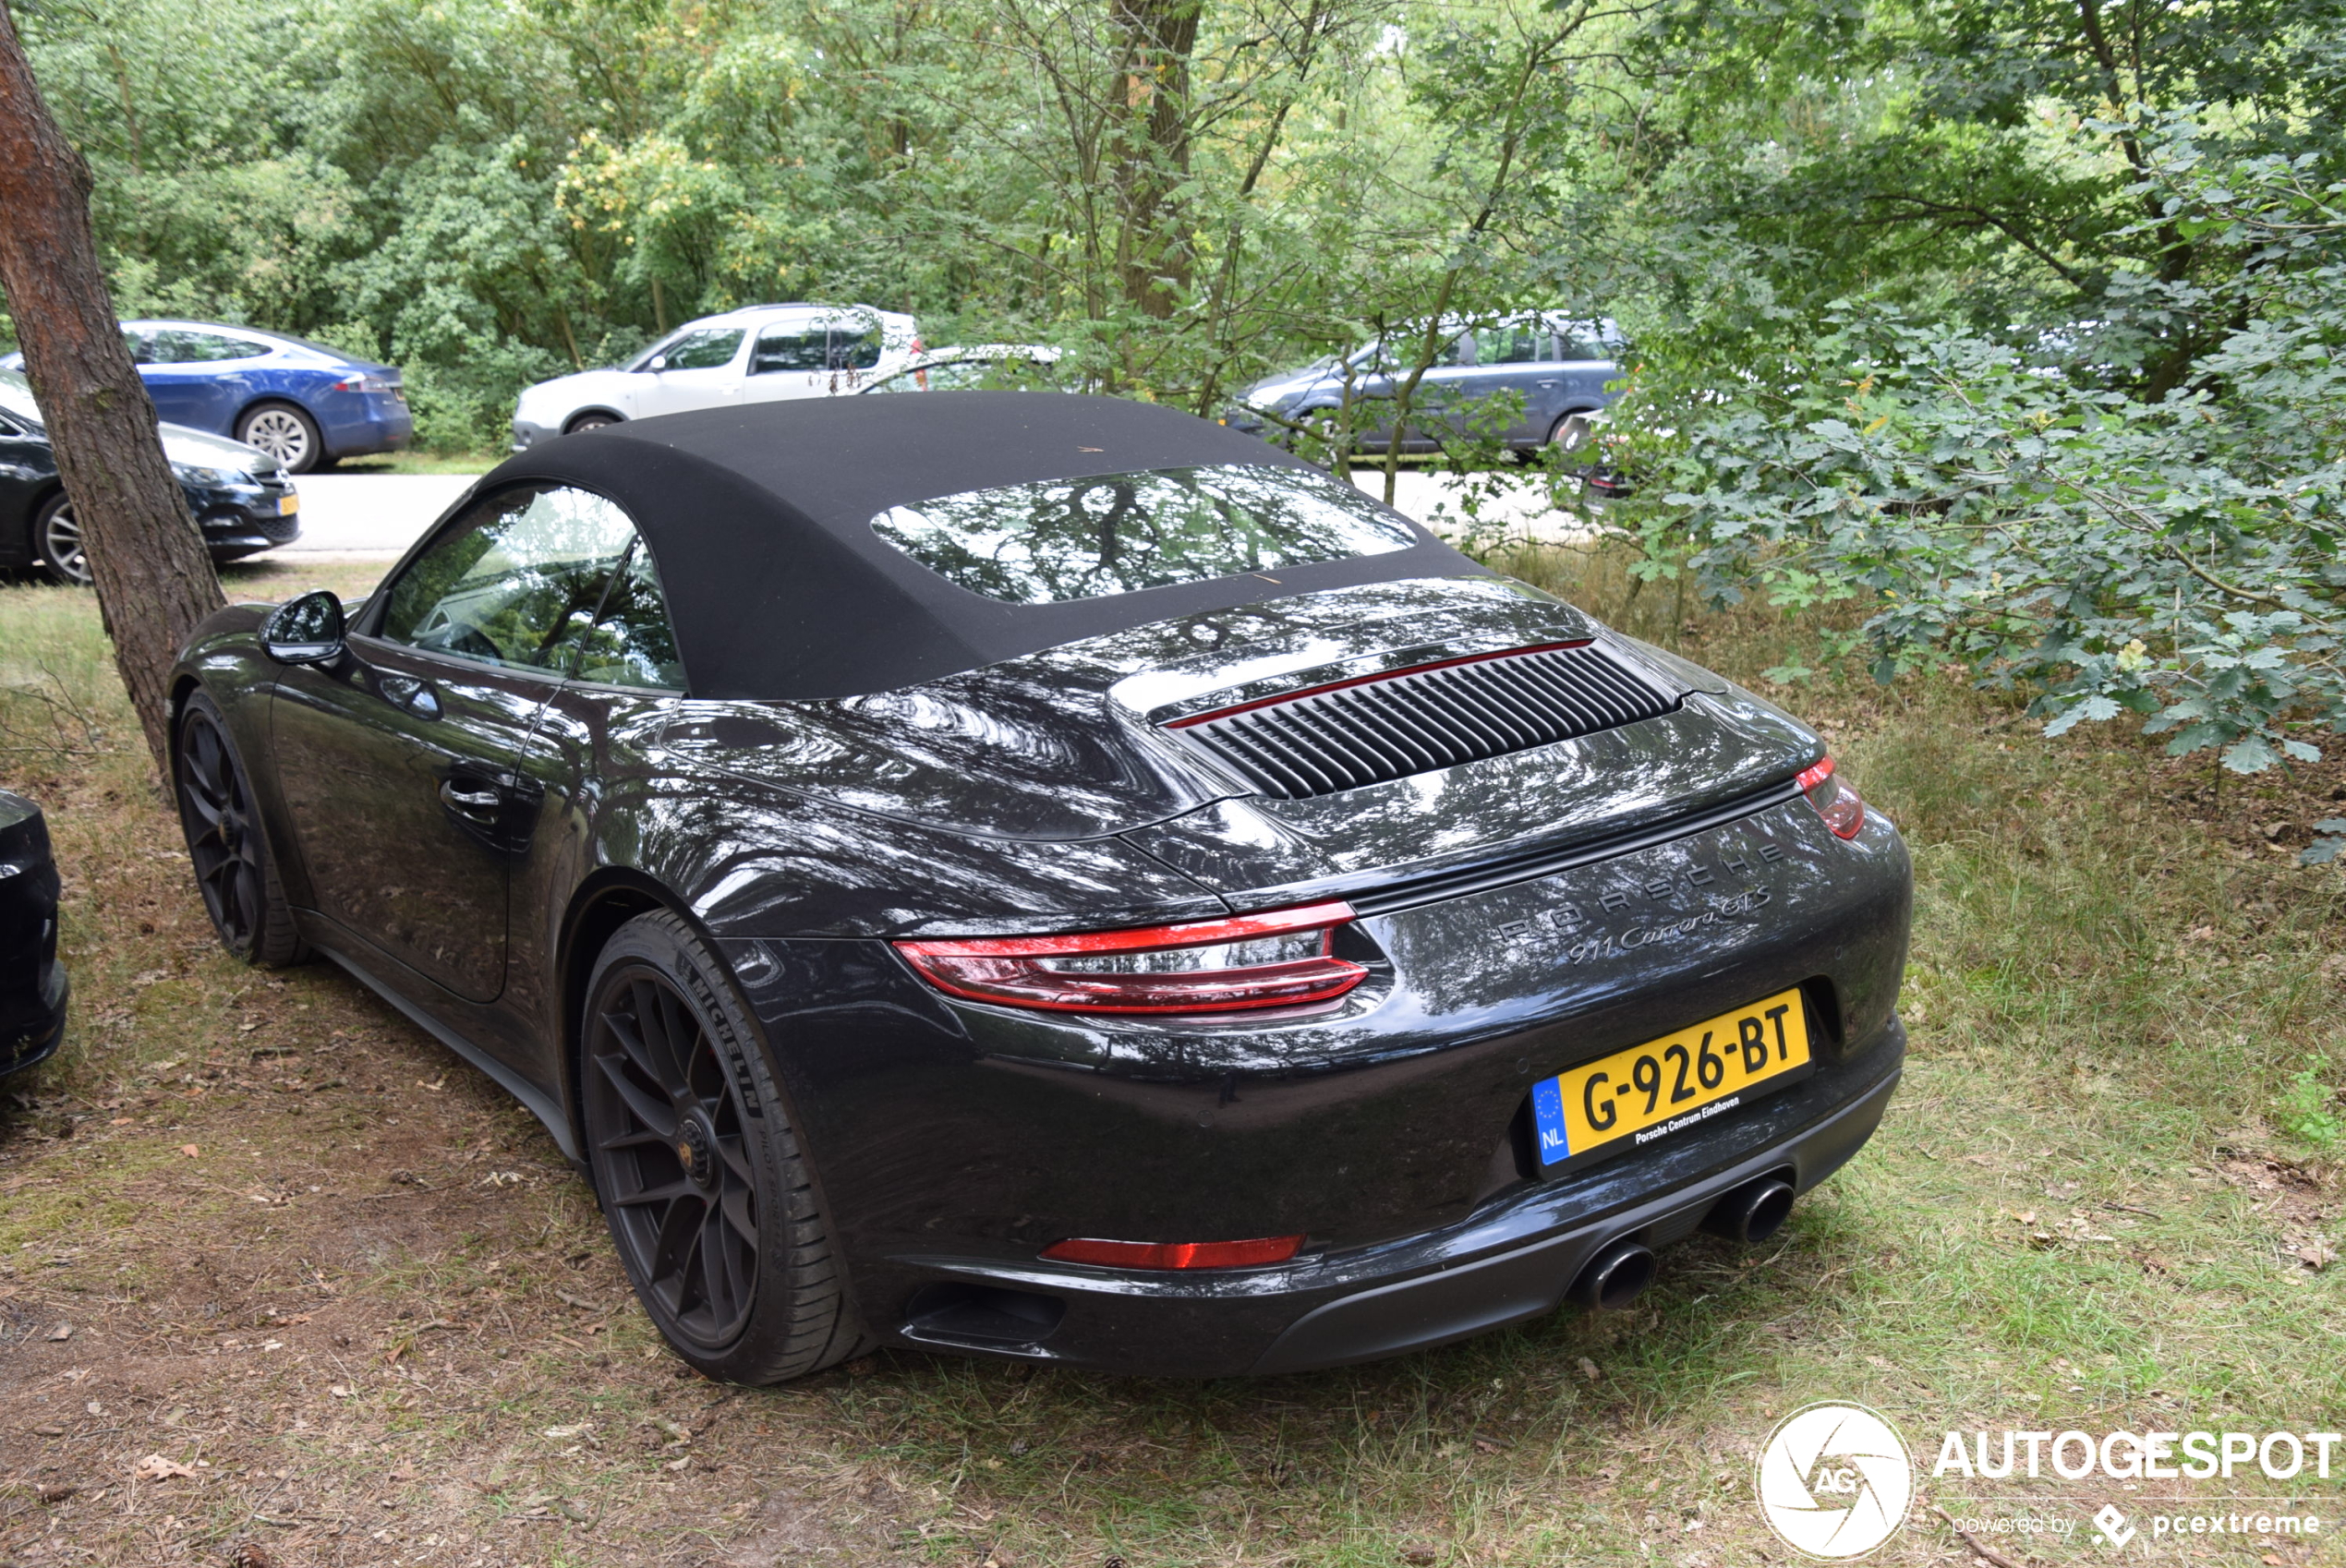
(1551, 381)
(469, 800)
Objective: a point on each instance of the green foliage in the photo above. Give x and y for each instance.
(2307, 1109)
(2016, 503)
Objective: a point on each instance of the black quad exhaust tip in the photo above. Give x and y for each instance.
(1752, 1213)
(1614, 1277)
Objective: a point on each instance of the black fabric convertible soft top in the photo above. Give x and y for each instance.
(759, 520)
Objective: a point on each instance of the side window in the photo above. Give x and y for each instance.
(852, 350)
(1395, 356)
(518, 584)
(1518, 344)
(791, 348)
(184, 345)
(1581, 341)
(632, 643)
(712, 348)
(140, 342)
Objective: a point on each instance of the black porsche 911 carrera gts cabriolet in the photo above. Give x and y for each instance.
(1053, 877)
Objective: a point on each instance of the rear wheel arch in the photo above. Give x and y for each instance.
(608, 899)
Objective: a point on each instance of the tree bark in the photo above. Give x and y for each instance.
(1153, 249)
(154, 578)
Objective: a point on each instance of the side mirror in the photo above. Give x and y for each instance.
(657, 363)
(304, 630)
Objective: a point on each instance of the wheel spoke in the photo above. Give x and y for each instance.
(735, 1204)
(717, 1277)
(661, 1058)
(736, 1158)
(655, 1115)
(681, 1187)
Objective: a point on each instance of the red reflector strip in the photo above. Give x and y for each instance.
(1176, 1254)
(1209, 717)
(1188, 933)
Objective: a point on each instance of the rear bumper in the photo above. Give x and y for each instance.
(386, 425)
(1512, 1260)
(956, 1141)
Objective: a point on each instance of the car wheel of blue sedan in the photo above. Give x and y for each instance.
(56, 542)
(1571, 433)
(285, 433)
(701, 1176)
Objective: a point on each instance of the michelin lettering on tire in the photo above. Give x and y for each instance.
(1835, 1480)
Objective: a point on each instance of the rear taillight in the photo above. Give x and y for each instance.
(1284, 958)
(1176, 1254)
(1836, 802)
(370, 384)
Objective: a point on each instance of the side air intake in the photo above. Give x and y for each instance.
(1351, 733)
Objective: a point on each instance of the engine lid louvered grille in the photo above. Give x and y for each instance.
(1353, 733)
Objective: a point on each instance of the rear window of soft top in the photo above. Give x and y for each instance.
(1107, 534)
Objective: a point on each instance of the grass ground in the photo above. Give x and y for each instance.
(258, 1226)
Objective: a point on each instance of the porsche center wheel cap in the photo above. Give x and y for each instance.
(696, 1151)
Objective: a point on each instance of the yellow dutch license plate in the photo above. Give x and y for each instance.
(1647, 1092)
(288, 505)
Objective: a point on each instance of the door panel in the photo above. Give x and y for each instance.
(1435, 401)
(1517, 361)
(410, 767)
(703, 370)
(410, 783)
(790, 359)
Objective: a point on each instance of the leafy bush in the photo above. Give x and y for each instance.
(2001, 501)
(2308, 1111)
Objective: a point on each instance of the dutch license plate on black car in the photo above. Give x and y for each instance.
(1647, 1092)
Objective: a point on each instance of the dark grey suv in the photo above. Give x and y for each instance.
(1559, 368)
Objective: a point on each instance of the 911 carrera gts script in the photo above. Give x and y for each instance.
(1612, 944)
(1571, 922)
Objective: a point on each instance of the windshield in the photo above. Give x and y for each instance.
(1121, 533)
(15, 398)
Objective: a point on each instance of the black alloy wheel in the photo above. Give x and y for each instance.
(709, 1199)
(56, 541)
(227, 844)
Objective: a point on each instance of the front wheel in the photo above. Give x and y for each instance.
(286, 434)
(589, 422)
(234, 871)
(710, 1196)
(56, 542)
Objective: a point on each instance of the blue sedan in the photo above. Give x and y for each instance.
(303, 403)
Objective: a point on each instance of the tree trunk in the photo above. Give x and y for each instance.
(1153, 250)
(154, 578)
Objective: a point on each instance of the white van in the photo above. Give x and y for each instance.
(758, 354)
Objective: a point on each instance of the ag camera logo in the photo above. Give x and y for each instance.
(1835, 1480)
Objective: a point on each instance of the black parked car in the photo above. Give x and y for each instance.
(32, 982)
(1559, 370)
(1050, 876)
(241, 497)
